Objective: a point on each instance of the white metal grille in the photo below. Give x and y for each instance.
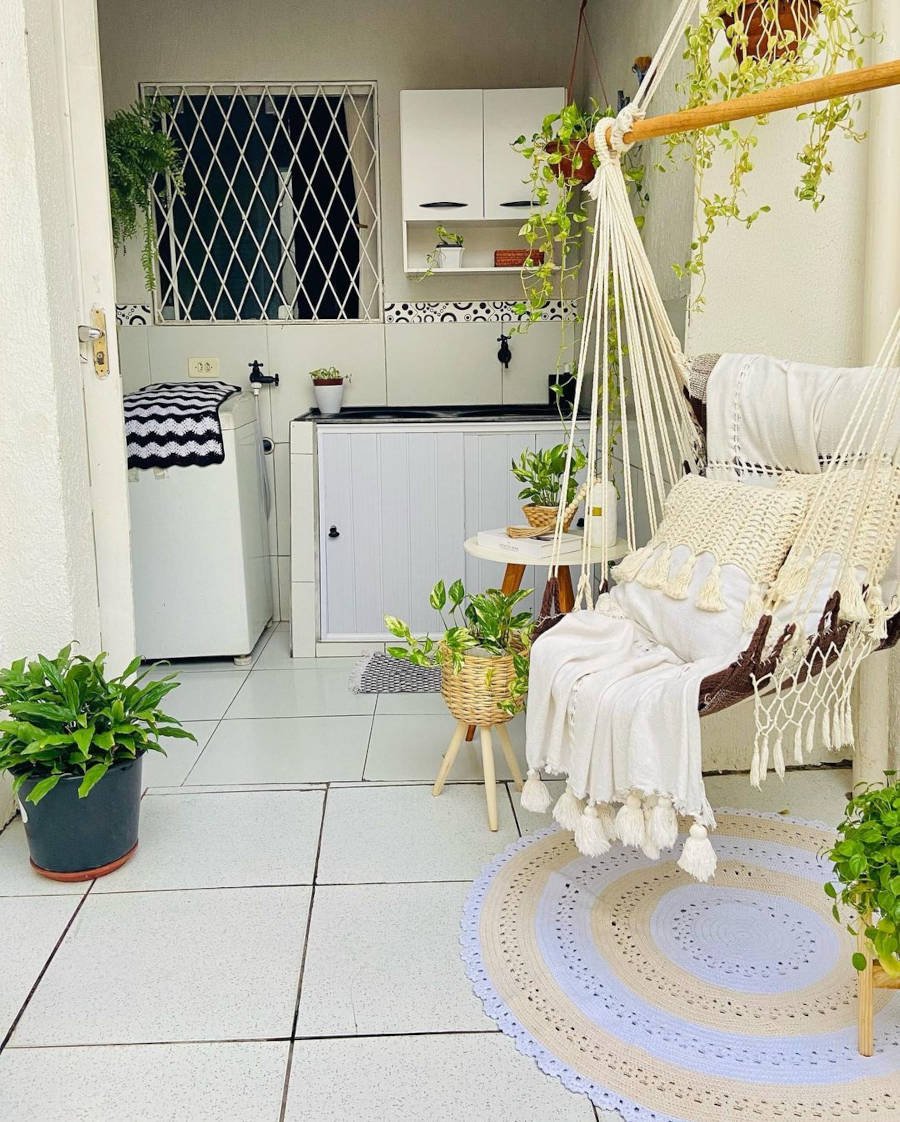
(279, 216)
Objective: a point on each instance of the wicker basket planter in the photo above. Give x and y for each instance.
(474, 693)
(544, 518)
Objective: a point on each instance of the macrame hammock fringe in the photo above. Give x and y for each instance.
(801, 684)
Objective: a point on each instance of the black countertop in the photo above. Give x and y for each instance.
(432, 414)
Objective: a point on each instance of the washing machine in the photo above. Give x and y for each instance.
(200, 550)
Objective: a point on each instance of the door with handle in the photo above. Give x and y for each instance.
(509, 114)
(441, 155)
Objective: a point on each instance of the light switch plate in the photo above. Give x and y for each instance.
(203, 368)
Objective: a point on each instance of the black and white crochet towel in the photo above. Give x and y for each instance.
(176, 424)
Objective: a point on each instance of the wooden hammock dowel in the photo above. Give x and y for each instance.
(844, 84)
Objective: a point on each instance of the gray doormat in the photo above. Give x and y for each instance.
(380, 673)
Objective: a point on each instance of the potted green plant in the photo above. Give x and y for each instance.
(542, 472)
(328, 388)
(72, 732)
(561, 161)
(137, 151)
(866, 860)
(740, 47)
(483, 652)
(448, 251)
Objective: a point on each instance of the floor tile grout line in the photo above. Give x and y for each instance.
(512, 803)
(362, 777)
(257, 1039)
(12, 1028)
(309, 918)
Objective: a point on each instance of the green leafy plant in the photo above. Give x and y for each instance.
(542, 473)
(67, 718)
(486, 621)
(446, 239)
(867, 870)
(328, 376)
(137, 151)
(740, 47)
(561, 160)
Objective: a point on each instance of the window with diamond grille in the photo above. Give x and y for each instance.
(278, 218)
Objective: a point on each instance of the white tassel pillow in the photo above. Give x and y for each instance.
(699, 583)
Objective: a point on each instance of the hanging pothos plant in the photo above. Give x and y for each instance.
(138, 150)
(562, 161)
(740, 47)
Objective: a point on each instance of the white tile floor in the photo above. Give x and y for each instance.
(284, 944)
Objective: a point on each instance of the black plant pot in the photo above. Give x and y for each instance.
(75, 839)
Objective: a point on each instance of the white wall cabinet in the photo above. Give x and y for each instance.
(441, 155)
(395, 507)
(459, 169)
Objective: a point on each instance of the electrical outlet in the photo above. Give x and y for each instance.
(203, 368)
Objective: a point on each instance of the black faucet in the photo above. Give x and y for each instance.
(504, 355)
(257, 378)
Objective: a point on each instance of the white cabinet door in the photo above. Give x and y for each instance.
(392, 521)
(509, 114)
(441, 155)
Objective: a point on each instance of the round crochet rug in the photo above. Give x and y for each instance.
(667, 999)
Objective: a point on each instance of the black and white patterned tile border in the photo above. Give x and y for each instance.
(471, 311)
(434, 311)
(134, 315)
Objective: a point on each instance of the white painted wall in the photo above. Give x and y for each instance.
(48, 590)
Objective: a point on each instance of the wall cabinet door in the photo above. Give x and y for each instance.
(441, 155)
(509, 114)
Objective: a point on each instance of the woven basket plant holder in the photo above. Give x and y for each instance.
(474, 693)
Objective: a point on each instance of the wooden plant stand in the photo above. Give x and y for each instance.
(487, 761)
(872, 978)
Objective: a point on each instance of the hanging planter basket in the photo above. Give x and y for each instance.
(566, 169)
(797, 16)
(475, 692)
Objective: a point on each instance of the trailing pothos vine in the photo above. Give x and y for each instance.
(740, 47)
(137, 151)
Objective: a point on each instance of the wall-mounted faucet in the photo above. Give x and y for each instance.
(257, 378)
(504, 355)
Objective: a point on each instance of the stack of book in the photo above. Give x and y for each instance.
(530, 549)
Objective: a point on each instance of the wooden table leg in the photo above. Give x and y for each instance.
(566, 592)
(512, 579)
(509, 752)
(865, 981)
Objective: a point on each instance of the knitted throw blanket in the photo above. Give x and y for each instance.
(176, 424)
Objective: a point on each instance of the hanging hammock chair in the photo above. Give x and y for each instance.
(821, 610)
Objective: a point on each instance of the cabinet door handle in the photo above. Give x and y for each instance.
(442, 204)
(518, 203)
(334, 532)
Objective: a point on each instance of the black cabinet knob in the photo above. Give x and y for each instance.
(334, 532)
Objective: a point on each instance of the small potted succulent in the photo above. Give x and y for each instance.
(328, 387)
(448, 252)
(73, 741)
(541, 473)
(483, 653)
(866, 860)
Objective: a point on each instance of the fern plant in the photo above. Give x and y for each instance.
(138, 150)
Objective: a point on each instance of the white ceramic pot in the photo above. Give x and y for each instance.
(449, 256)
(604, 508)
(329, 398)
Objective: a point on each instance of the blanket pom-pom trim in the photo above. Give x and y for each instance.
(567, 810)
(630, 822)
(663, 823)
(678, 586)
(710, 598)
(698, 858)
(629, 567)
(590, 836)
(656, 574)
(535, 794)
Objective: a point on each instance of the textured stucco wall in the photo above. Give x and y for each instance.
(48, 591)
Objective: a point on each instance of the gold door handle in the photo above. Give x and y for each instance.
(94, 336)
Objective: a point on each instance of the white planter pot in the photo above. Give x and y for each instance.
(329, 398)
(604, 508)
(449, 256)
